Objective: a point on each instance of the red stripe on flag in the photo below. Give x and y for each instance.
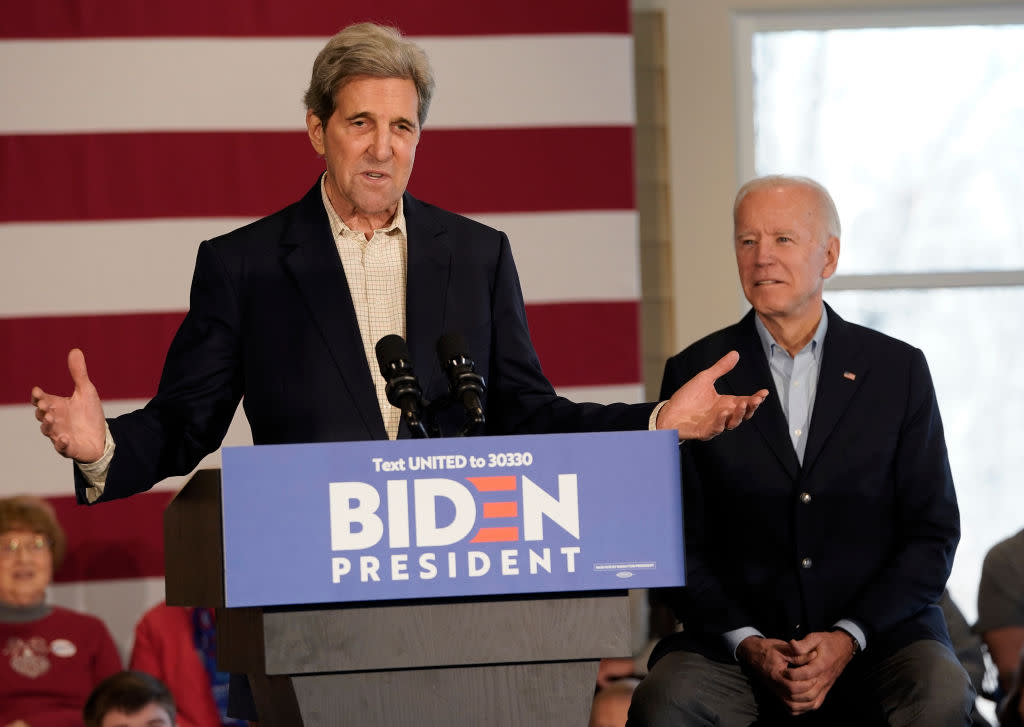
(251, 174)
(234, 18)
(587, 344)
(125, 353)
(135, 176)
(526, 170)
(113, 540)
(579, 344)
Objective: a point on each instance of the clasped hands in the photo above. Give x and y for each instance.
(799, 672)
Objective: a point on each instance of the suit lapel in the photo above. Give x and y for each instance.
(842, 372)
(429, 272)
(752, 373)
(311, 257)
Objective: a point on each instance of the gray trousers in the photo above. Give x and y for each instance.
(921, 684)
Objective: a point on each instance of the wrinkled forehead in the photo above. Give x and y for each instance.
(779, 208)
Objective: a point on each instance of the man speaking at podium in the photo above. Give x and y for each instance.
(285, 312)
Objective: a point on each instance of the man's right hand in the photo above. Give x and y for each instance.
(74, 424)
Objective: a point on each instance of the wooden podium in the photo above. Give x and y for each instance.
(494, 660)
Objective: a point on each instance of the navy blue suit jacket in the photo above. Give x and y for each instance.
(865, 529)
(271, 322)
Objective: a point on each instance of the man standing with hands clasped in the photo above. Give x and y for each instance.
(819, 538)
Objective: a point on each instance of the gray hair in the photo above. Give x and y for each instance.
(826, 205)
(367, 50)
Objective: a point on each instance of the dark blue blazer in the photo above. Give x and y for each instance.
(271, 323)
(865, 529)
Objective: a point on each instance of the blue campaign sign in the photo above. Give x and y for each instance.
(433, 518)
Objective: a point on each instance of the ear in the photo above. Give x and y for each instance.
(831, 257)
(315, 128)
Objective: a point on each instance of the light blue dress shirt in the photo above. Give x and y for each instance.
(796, 380)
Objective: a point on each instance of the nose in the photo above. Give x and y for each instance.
(380, 146)
(763, 252)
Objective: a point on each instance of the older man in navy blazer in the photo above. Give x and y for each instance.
(820, 537)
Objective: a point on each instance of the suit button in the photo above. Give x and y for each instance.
(806, 563)
(805, 497)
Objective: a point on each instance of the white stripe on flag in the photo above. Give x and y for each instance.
(146, 265)
(257, 84)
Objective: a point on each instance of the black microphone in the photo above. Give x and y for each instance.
(464, 384)
(403, 388)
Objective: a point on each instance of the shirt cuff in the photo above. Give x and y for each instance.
(652, 423)
(95, 473)
(853, 630)
(734, 638)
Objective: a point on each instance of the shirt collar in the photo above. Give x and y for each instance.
(340, 229)
(770, 346)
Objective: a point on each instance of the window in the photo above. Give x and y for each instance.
(913, 121)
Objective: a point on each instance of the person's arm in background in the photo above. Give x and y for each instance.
(1011, 709)
(1001, 606)
(1004, 646)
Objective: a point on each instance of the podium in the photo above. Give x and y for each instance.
(504, 628)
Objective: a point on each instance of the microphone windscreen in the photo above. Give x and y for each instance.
(391, 348)
(451, 346)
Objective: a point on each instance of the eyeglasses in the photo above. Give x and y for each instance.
(9, 547)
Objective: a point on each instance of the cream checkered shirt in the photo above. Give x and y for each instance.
(376, 274)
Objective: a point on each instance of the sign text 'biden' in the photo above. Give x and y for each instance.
(502, 519)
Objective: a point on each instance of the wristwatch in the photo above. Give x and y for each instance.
(853, 639)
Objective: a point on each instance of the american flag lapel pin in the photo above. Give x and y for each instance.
(850, 375)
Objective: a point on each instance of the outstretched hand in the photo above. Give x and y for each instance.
(74, 424)
(698, 411)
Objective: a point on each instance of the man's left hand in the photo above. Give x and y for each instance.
(816, 661)
(698, 411)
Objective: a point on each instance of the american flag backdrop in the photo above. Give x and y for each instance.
(130, 131)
